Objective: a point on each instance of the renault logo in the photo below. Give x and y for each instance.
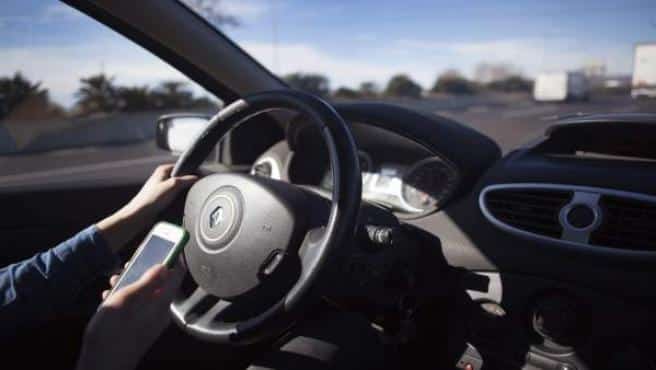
(216, 217)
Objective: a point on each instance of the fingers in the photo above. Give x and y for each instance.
(105, 294)
(138, 293)
(188, 178)
(146, 284)
(153, 291)
(153, 278)
(163, 172)
(162, 280)
(180, 183)
(113, 280)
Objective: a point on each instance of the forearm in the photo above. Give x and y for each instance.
(141, 212)
(122, 226)
(37, 288)
(34, 289)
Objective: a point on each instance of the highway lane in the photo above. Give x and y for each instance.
(510, 122)
(514, 125)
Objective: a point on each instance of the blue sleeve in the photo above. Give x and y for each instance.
(35, 289)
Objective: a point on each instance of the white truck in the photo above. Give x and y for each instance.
(560, 87)
(643, 83)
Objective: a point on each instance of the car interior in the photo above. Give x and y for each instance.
(458, 255)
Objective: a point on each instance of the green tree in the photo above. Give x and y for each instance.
(135, 98)
(369, 89)
(452, 82)
(204, 102)
(346, 93)
(511, 84)
(313, 83)
(403, 86)
(173, 94)
(97, 93)
(15, 90)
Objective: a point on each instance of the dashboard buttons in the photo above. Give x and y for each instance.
(379, 236)
(271, 263)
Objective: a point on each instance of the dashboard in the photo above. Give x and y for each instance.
(419, 188)
(397, 173)
(563, 224)
(412, 163)
(521, 213)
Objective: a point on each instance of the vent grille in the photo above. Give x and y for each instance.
(627, 224)
(531, 210)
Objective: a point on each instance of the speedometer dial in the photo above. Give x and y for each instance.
(428, 184)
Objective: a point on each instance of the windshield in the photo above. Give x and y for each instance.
(499, 66)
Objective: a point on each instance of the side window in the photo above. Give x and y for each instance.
(74, 92)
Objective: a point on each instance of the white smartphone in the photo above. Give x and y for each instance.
(162, 245)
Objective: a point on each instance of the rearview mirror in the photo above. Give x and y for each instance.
(176, 132)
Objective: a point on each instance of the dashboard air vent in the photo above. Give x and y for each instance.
(627, 224)
(531, 210)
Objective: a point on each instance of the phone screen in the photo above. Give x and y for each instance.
(155, 251)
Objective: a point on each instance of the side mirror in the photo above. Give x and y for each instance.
(176, 132)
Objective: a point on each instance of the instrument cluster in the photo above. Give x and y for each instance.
(419, 188)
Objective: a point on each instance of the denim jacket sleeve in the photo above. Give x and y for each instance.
(50, 282)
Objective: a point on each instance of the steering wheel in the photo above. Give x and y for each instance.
(257, 246)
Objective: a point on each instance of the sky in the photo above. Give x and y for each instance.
(348, 41)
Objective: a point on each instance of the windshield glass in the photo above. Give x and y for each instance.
(75, 93)
(488, 63)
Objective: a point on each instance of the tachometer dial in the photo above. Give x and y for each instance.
(428, 183)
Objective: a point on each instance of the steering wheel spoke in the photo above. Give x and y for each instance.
(185, 308)
(309, 249)
(214, 314)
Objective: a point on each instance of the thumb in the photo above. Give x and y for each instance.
(149, 282)
(180, 182)
(160, 282)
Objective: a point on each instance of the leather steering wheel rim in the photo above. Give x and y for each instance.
(341, 224)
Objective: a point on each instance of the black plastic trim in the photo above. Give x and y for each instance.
(575, 189)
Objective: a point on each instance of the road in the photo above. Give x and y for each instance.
(513, 123)
(510, 120)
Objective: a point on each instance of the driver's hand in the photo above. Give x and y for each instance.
(140, 213)
(129, 321)
(158, 192)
